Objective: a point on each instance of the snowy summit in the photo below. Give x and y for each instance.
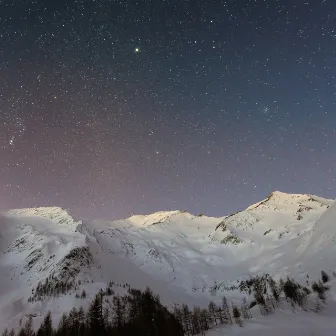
(182, 257)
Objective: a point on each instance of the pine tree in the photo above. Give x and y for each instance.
(325, 277)
(177, 313)
(320, 289)
(196, 321)
(46, 328)
(134, 309)
(27, 330)
(63, 326)
(204, 320)
(259, 292)
(95, 315)
(276, 291)
(245, 311)
(221, 315)
(73, 321)
(236, 315)
(8, 333)
(83, 295)
(319, 306)
(212, 308)
(186, 318)
(118, 313)
(269, 304)
(148, 308)
(81, 321)
(226, 311)
(106, 315)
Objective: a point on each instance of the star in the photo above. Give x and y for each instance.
(11, 140)
(100, 113)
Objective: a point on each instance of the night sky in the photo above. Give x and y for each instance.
(113, 108)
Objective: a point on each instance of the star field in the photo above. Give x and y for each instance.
(110, 108)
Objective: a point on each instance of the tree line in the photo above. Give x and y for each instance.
(142, 313)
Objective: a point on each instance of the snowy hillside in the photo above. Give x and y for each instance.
(184, 258)
(286, 321)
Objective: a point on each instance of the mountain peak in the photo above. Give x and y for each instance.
(280, 199)
(156, 217)
(57, 214)
(33, 211)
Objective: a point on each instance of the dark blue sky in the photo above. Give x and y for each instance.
(116, 107)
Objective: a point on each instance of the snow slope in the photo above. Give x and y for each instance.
(182, 257)
(289, 321)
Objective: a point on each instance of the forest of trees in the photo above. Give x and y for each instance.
(141, 312)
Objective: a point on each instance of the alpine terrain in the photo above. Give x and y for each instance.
(52, 261)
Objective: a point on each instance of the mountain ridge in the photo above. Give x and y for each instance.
(183, 257)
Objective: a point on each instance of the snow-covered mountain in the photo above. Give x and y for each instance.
(182, 257)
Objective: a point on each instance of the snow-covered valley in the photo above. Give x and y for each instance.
(182, 257)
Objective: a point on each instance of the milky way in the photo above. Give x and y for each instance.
(116, 107)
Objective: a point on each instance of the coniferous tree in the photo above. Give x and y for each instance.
(73, 321)
(290, 289)
(83, 295)
(8, 333)
(177, 313)
(81, 321)
(46, 328)
(245, 310)
(221, 315)
(318, 306)
(226, 311)
(106, 314)
(258, 292)
(118, 313)
(134, 309)
(186, 318)
(63, 326)
(276, 291)
(195, 321)
(212, 308)
(269, 304)
(295, 292)
(236, 315)
(325, 277)
(320, 289)
(204, 318)
(27, 329)
(95, 315)
(148, 306)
